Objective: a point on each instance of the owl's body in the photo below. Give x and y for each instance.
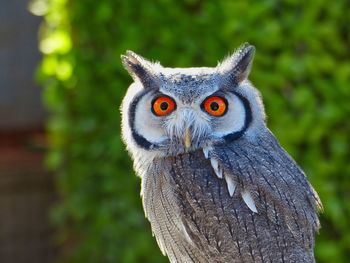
(216, 185)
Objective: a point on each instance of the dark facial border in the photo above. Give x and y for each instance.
(139, 139)
(248, 119)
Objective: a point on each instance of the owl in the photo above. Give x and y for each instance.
(216, 185)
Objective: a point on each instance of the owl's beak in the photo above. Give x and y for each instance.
(187, 138)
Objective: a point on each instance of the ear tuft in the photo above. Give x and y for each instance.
(139, 68)
(238, 65)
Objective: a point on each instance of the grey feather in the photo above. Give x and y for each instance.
(222, 228)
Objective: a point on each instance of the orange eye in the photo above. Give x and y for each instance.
(163, 105)
(215, 106)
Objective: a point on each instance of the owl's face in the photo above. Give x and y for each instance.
(169, 111)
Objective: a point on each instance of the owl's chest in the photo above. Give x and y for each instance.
(188, 204)
(195, 185)
(182, 182)
(175, 196)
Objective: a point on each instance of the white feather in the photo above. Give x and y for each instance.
(215, 165)
(206, 151)
(184, 231)
(231, 185)
(248, 199)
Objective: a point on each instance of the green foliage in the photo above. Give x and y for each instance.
(302, 69)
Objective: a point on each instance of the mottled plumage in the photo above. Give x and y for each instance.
(215, 188)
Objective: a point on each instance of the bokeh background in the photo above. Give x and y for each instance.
(302, 68)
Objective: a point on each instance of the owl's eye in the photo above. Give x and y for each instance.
(215, 106)
(163, 105)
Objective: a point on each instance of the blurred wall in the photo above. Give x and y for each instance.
(20, 102)
(26, 188)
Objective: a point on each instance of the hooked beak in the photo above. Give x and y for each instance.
(187, 138)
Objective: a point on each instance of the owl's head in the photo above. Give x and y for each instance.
(169, 111)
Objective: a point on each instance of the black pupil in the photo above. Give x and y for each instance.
(214, 106)
(164, 106)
